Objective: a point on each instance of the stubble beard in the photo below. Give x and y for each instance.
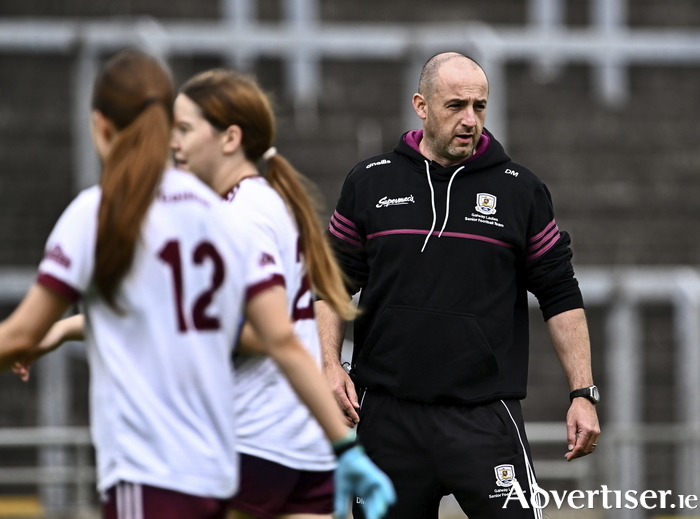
(457, 153)
(444, 147)
(461, 152)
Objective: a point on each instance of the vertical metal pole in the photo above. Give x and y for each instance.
(497, 107)
(304, 61)
(410, 120)
(237, 11)
(623, 379)
(82, 465)
(86, 165)
(687, 328)
(54, 397)
(547, 16)
(609, 16)
(239, 15)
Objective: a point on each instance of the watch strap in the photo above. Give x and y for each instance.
(586, 392)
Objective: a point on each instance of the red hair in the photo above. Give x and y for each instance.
(135, 93)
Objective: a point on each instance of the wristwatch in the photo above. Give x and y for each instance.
(590, 392)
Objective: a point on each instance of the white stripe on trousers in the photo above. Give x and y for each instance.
(362, 400)
(531, 482)
(129, 500)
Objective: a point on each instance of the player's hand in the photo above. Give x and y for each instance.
(344, 392)
(582, 429)
(356, 475)
(21, 369)
(21, 366)
(56, 336)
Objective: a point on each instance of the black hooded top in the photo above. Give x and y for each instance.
(444, 257)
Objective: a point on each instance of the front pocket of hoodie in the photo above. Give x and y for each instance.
(426, 354)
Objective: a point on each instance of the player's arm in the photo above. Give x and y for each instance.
(355, 475)
(28, 324)
(569, 333)
(68, 329)
(331, 332)
(268, 316)
(249, 343)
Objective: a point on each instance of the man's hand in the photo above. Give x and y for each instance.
(344, 392)
(582, 428)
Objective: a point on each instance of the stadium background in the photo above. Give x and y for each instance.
(620, 158)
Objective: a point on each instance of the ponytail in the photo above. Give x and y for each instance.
(131, 174)
(324, 273)
(135, 93)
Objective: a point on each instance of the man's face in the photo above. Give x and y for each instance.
(453, 112)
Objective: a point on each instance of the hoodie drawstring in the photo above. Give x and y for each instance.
(447, 206)
(432, 202)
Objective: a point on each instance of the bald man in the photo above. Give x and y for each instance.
(444, 237)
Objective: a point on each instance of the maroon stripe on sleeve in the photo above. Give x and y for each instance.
(347, 221)
(340, 235)
(254, 290)
(544, 248)
(58, 286)
(549, 227)
(543, 241)
(350, 232)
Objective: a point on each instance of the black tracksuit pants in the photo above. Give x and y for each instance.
(431, 450)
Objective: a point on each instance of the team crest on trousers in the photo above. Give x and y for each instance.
(505, 474)
(486, 203)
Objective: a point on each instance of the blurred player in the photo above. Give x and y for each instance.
(224, 126)
(163, 284)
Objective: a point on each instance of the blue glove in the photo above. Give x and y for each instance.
(356, 475)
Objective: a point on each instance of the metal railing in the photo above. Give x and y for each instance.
(77, 470)
(80, 473)
(620, 460)
(303, 41)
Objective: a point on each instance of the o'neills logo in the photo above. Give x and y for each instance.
(56, 254)
(380, 163)
(386, 201)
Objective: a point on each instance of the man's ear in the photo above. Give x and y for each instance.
(232, 138)
(420, 105)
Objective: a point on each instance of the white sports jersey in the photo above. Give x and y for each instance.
(272, 422)
(161, 385)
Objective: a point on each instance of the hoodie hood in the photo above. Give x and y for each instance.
(414, 137)
(489, 152)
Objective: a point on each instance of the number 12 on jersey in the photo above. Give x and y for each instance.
(171, 255)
